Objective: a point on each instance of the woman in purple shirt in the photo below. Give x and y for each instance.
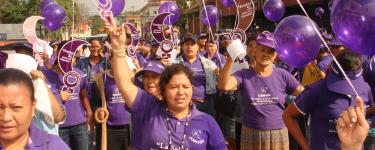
(263, 88)
(174, 122)
(17, 108)
(325, 100)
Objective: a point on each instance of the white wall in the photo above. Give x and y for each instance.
(13, 31)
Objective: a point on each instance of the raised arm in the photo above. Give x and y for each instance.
(57, 110)
(122, 73)
(226, 81)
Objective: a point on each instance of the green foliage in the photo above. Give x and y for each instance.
(183, 17)
(16, 11)
(96, 25)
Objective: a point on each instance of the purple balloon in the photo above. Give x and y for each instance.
(117, 6)
(319, 12)
(353, 22)
(227, 3)
(296, 41)
(54, 18)
(274, 10)
(44, 4)
(172, 8)
(211, 17)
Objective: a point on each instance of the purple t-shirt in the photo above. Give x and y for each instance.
(199, 78)
(325, 63)
(325, 108)
(149, 123)
(218, 59)
(40, 140)
(75, 113)
(118, 114)
(95, 70)
(369, 77)
(264, 97)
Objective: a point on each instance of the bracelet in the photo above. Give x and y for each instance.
(118, 53)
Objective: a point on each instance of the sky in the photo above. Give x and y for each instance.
(129, 4)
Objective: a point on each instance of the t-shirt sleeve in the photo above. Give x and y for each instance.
(84, 82)
(239, 77)
(291, 82)
(142, 103)
(216, 139)
(306, 102)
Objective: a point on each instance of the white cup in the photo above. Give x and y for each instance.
(236, 49)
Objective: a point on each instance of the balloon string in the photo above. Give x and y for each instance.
(209, 25)
(326, 45)
(236, 20)
(210, 31)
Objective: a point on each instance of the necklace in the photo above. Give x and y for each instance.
(170, 132)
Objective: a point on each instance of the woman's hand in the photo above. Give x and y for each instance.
(35, 74)
(117, 33)
(65, 95)
(352, 127)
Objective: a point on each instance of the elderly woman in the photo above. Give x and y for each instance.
(174, 122)
(17, 108)
(263, 89)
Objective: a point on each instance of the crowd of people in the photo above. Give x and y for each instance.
(194, 101)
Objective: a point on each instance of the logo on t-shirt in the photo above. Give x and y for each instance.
(196, 136)
(264, 97)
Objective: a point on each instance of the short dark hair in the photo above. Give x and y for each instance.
(169, 72)
(251, 37)
(96, 39)
(11, 76)
(349, 60)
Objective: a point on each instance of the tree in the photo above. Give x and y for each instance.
(183, 17)
(96, 25)
(15, 11)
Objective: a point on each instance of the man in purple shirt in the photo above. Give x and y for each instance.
(325, 100)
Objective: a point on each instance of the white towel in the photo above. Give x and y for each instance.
(43, 103)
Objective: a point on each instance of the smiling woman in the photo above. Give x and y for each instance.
(17, 108)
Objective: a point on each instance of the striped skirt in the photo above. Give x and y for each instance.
(253, 139)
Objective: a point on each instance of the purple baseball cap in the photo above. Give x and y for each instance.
(153, 66)
(336, 81)
(266, 38)
(3, 59)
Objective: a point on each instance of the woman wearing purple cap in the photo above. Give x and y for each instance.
(150, 77)
(174, 122)
(325, 100)
(17, 109)
(263, 88)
